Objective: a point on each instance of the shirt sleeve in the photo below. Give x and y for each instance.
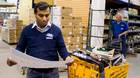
(22, 43)
(61, 46)
(112, 24)
(126, 26)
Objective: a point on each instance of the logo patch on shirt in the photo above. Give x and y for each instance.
(49, 36)
(122, 25)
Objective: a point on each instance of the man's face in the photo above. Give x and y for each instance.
(118, 17)
(42, 17)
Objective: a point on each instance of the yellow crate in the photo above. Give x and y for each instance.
(82, 69)
(120, 71)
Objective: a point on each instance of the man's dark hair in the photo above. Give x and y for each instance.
(41, 6)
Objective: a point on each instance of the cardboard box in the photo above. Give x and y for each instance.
(74, 47)
(84, 45)
(67, 31)
(67, 39)
(77, 31)
(76, 40)
(77, 21)
(66, 20)
(67, 26)
(80, 8)
(66, 11)
(84, 31)
(10, 23)
(9, 35)
(84, 39)
(70, 18)
(69, 47)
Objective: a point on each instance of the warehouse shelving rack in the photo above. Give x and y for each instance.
(112, 6)
(115, 4)
(134, 26)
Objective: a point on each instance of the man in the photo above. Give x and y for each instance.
(42, 40)
(119, 29)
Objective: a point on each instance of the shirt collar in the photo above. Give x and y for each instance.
(35, 24)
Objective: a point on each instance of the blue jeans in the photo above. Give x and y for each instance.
(123, 45)
(124, 48)
(32, 73)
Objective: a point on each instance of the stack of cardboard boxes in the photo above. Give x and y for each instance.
(19, 27)
(11, 31)
(73, 31)
(80, 14)
(9, 35)
(10, 23)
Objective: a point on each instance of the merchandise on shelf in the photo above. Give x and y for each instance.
(136, 2)
(9, 35)
(72, 29)
(132, 11)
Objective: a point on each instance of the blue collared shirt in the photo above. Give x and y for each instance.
(118, 28)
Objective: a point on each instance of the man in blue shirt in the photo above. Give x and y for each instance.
(119, 30)
(43, 40)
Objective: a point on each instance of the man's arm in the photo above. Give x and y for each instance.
(125, 30)
(20, 46)
(124, 33)
(61, 46)
(62, 49)
(22, 43)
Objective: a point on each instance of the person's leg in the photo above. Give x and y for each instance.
(101, 66)
(102, 74)
(124, 48)
(52, 74)
(33, 74)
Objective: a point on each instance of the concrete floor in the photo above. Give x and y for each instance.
(14, 72)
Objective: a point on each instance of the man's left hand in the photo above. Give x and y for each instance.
(69, 60)
(120, 35)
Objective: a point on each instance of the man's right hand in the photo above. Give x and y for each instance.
(11, 62)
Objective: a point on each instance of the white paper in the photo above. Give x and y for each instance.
(25, 60)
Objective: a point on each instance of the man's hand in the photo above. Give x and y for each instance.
(120, 35)
(69, 60)
(124, 33)
(11, 62)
